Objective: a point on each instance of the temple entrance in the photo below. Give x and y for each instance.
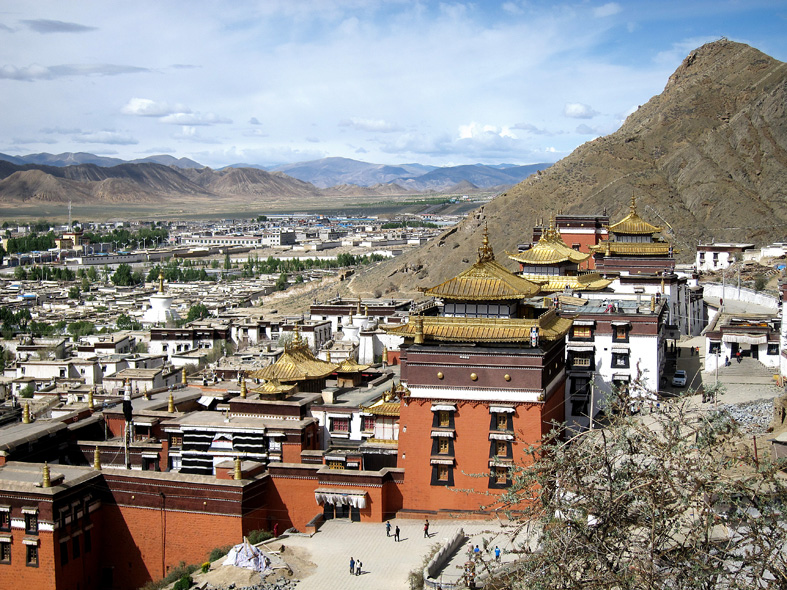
(341, 503)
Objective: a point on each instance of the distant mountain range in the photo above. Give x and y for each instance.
(328, 176)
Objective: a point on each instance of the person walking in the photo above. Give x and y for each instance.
(358, 568)
(497, 553)
(388, 529)
(426, 529)
(396, 534)
(352, 566)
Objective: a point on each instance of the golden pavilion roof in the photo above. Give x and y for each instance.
(486, 280)
(610, 248)
(550, 249)
(350, 365)
(390, 403)
(583, 282)
(464, 329)
(633, 224)
(273, 388)
(297, 363)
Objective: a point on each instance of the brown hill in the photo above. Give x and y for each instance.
(708, 156)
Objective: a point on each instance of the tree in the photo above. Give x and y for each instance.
(227, 262)
(81, 328)
(123, 276)
(197, 312)
(124, 322)
(281, 282)
(646, 502)
(74, 292)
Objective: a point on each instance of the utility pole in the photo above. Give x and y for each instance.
(128, 416)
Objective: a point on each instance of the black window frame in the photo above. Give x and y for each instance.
(436, 446)
(620, 360)
(626, 329)
(31, 556)
(31, 523)
(64, 552)
(494, 484)
(590, 338)
(436, 481)
(5, 552)
(436, 419)
(493, 425)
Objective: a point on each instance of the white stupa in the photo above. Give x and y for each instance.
(160, 311)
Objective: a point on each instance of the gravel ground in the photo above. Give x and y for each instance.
(752, 417)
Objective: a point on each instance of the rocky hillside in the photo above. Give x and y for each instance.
(708, 156)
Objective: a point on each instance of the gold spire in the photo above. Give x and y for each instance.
(243, 389)
(26, 414)
(47, 483)
(160, 282)
(96, 459)
(146, 394)
(90, 402)
(183, 379)
(419, 330)
(633, 205)
(358, 308)
(238, 474)
(485, 253)
(297, 342)
(385, 355)
(328, 356)
(171, 403)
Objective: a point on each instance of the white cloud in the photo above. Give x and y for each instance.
(39, 72)
(195, 119)
(145, 107)
(587, 130)
(608, 9)
(33, 140)
(373, 125)
(577, 110)
(108, 137)
(42, 25)
(254, 121)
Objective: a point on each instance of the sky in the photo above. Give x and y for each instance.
(382, 81)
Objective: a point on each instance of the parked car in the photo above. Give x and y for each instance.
(679, 379)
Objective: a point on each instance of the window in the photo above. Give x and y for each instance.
(501, 475)
(340, 425)
(31, 558)
(31, 524)
(5, 520)
(444, 418)
(176, 441)
(442, 472)
(502, 421)
(773, 348)
(444, 446)
(5, 552)
(368, 423)
(715, 347)
(63, 552)
(582, 333)
(620, 360)
(620, 333)
(335, 465)
(501, 448)
(76, 547)
(88, 541)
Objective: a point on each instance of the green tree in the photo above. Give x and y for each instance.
(92, 274)
(197, 312)
(648, 502)
(124, 322)
(281, 282)
(123, 276)
(81, 328)
(74, 292)
(227, 262)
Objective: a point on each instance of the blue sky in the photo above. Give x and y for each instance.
(440, 83)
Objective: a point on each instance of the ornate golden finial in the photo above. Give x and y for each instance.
(147, 393)
(47, 483)
(183, 379)
(328, 356)
(662, 284)
(385, 355)
(243, 388)
(358, 308)
(96, 459)
(633, 205)
(419, 330)
(160, 282)
(237, 474)
(26, 414)
(485, 253)
(90, 402)
(366, 310)
(171, 403)
(652, 303)
(297, 342)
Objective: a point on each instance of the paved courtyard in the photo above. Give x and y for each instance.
(386, 563)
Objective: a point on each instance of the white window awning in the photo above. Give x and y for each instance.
(335, 458)
(443, 433)
(584, 322)
(745, 338)
(341, 497)
(501, 409)
(620, 347)
(498, 462)
(621, 323)
(444, 408)
(276, 435)
(580, 347)
(500, 436)
(441, 461)
(621, 377)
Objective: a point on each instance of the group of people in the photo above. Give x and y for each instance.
(388, 531)
(356, 567)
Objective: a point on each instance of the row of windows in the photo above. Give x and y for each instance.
(75, 547)
(619, 333)
(620, 360)
(31, 554)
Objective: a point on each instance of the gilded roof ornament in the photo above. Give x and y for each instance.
(485, 253)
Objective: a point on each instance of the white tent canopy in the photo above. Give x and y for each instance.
(247, 556)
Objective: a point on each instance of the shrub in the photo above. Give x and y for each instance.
(184, 583)
(259, 536)
(218, 553)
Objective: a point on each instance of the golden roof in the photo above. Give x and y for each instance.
(633, 223)
(609, 248)
(584, 282)
(462, 329)
(349, 365)
(486, 280)
(383, 408)
(273, 387)
(297, 363)
(550, 249)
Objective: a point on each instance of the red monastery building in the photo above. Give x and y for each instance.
(485, 380)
